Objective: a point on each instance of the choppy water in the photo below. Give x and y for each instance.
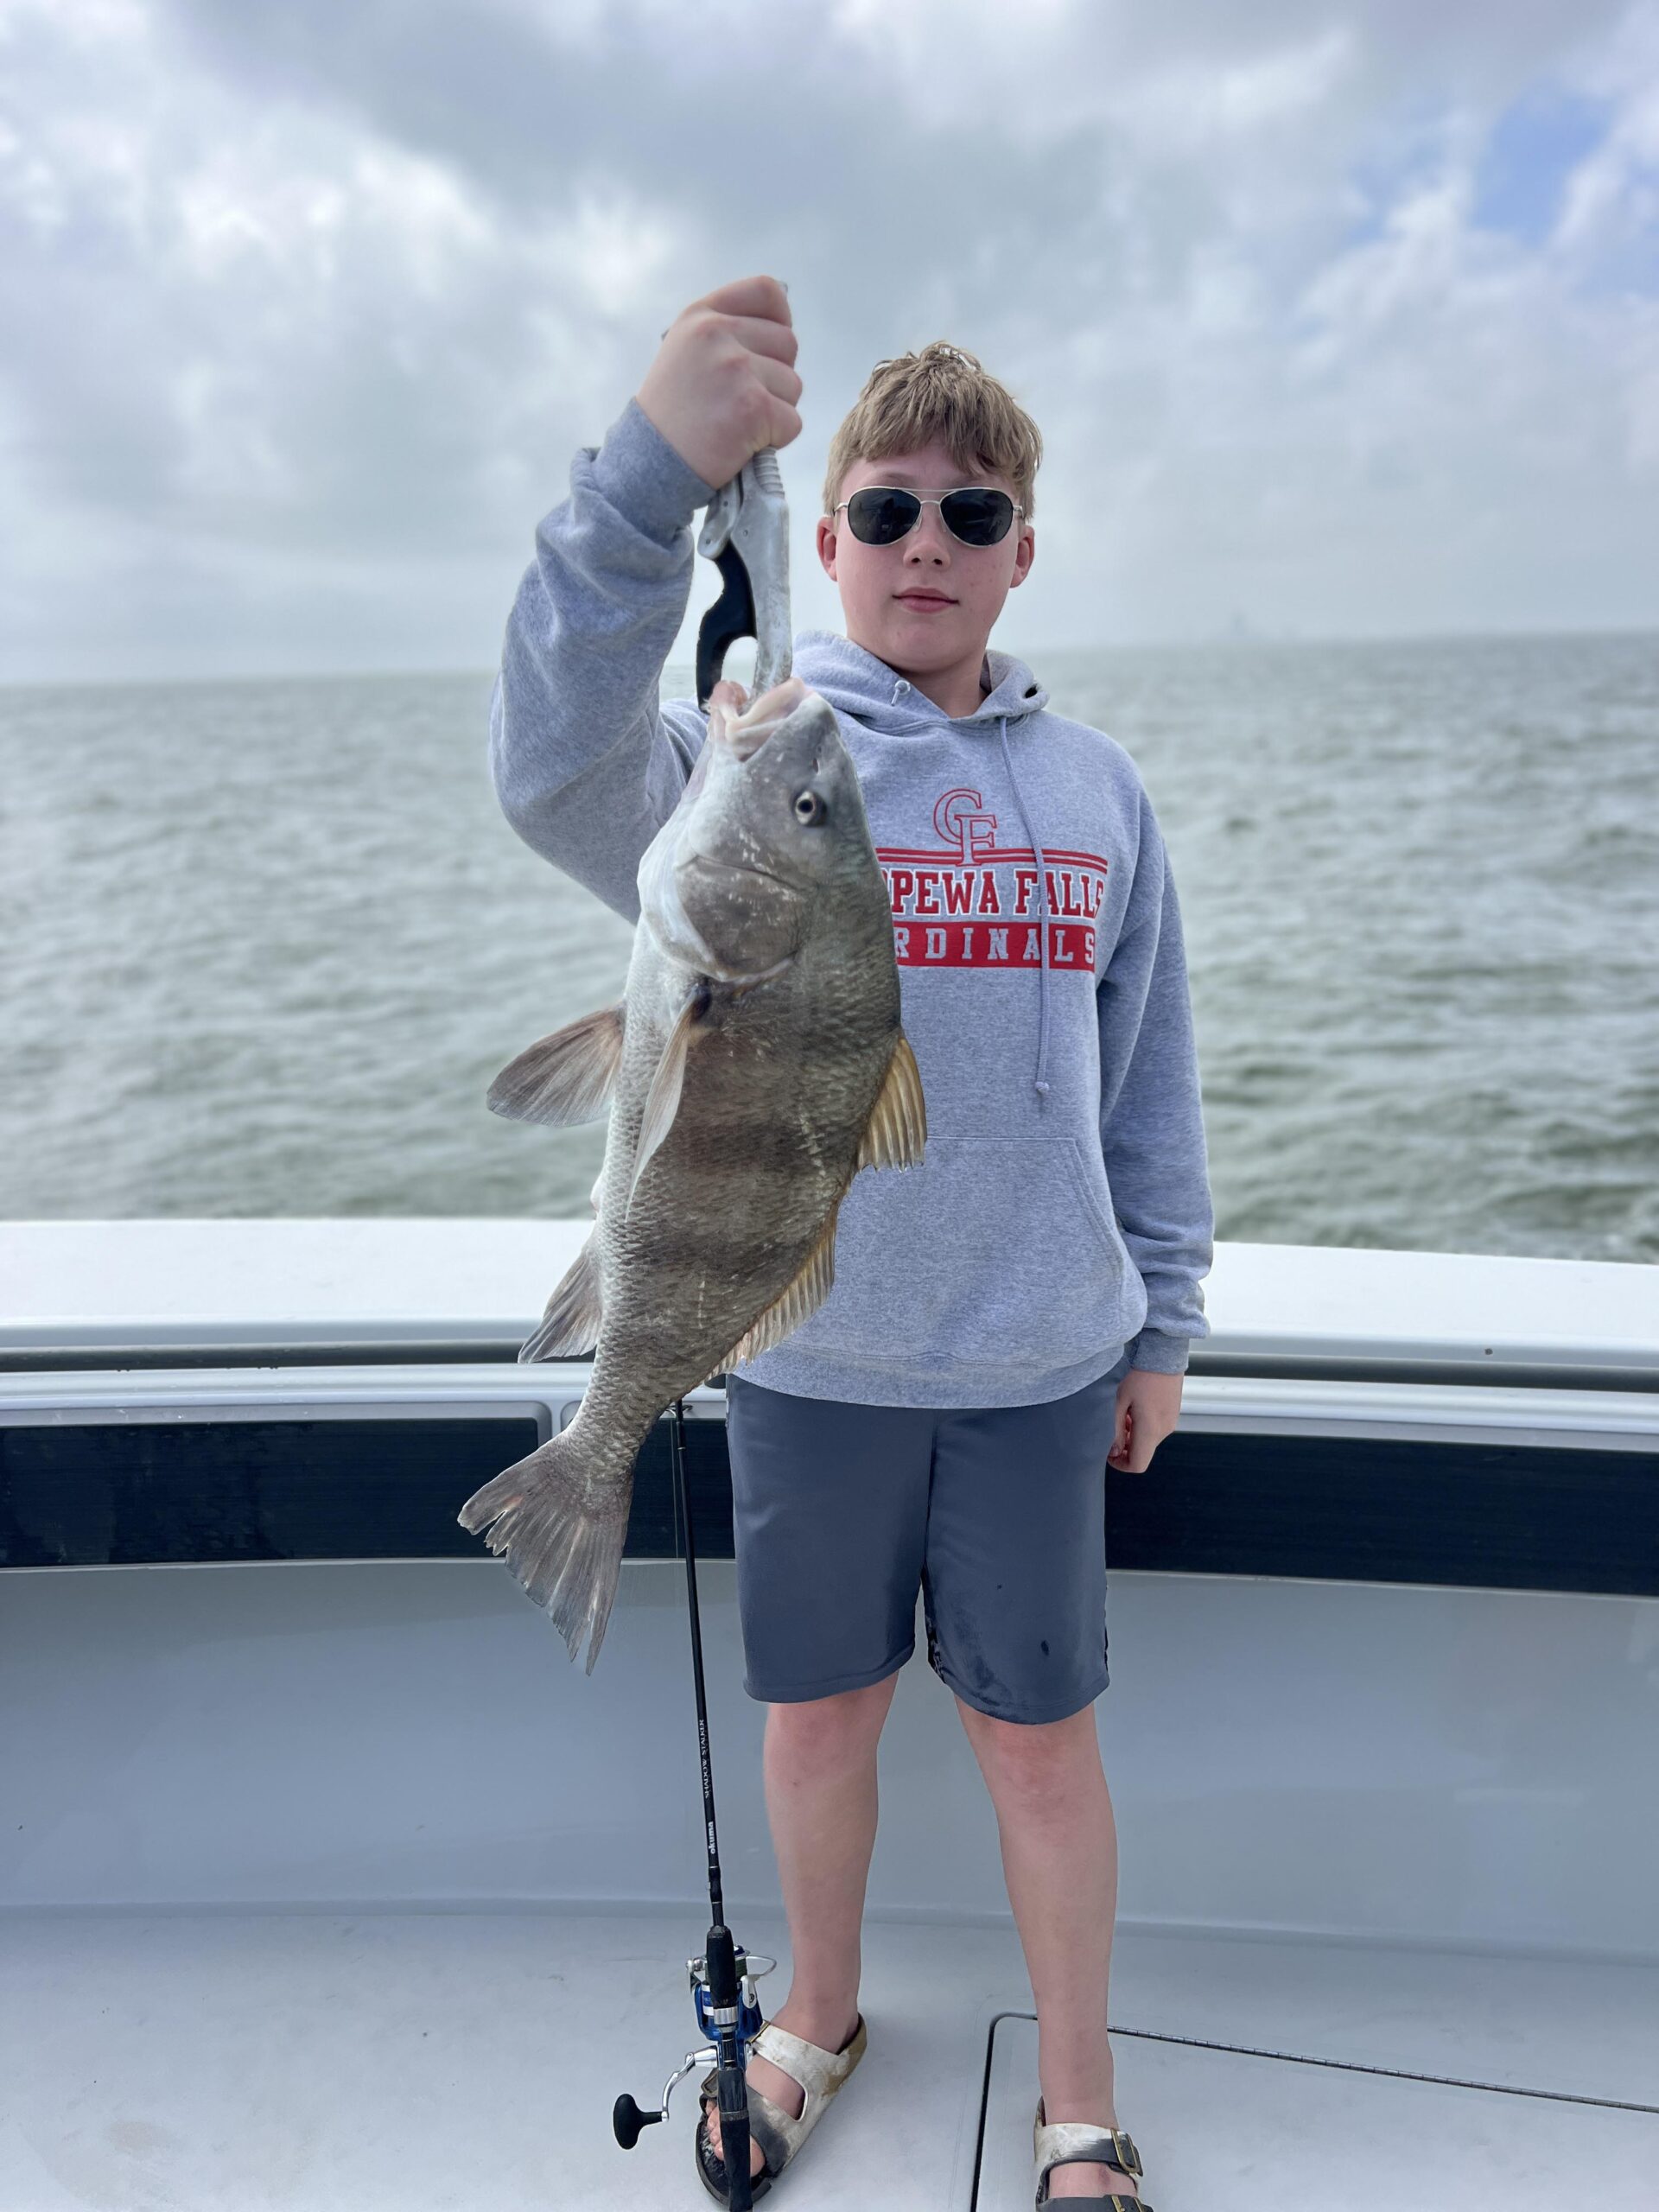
(266, 943)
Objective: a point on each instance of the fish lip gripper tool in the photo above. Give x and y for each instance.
(746, 534)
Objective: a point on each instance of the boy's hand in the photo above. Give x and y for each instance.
(723, 385)
(1148, 1407)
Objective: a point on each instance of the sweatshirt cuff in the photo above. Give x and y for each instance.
(643, 476)
(1157, 1354)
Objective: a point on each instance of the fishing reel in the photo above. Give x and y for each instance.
(749, 2015)
(627, 2118)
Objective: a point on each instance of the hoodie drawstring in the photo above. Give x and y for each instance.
(928, 722)
(1042, 918)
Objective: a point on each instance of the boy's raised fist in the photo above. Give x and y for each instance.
(723, 383)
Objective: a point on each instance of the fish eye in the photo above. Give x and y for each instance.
(810, 808)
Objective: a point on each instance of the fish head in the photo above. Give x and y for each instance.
(770, 816)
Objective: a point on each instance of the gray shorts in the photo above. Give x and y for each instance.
(997, 1513)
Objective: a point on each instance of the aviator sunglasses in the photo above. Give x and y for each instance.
(883, 513)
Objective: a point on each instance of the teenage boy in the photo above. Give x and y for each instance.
(1010, 1317)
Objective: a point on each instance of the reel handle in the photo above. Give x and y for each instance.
(628, 2120)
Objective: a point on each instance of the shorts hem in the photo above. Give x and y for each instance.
(798, 1694)
(1061, 1710)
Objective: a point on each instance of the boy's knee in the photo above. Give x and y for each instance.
(1035, 1759)
(831, 1731)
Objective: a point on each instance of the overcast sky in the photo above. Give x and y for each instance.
(1337, 321)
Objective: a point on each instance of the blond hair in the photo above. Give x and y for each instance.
(941, 392)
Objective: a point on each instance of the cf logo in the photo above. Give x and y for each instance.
(960, 820)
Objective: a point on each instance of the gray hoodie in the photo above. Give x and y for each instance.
(1064, 1210)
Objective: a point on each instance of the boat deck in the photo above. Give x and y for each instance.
(329, 1885)
(343, 2062)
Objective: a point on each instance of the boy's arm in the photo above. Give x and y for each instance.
(1151, 1120)
(586, 764)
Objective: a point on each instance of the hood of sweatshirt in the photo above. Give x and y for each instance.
(856, 682)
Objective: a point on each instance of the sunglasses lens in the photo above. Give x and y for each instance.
(978, 517)
(881, 517)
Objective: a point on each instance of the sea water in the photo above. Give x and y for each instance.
(265, 944)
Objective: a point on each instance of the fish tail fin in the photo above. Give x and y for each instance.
(566, 1554)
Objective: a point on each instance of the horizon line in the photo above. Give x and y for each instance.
(1230, 640)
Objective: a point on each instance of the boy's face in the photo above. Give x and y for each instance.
(881, 585)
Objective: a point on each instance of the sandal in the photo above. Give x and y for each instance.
(779, 2134)
(1075, 2143)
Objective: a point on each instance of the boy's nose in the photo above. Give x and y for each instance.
(929, 540)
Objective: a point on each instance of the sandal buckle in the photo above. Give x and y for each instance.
(1128, 2156)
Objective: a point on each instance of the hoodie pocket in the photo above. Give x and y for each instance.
(997, 1254)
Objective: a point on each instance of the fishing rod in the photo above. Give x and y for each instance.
(724, 1979)
(746, 533)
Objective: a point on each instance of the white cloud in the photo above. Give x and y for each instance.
(1615, 192)
(307, 311)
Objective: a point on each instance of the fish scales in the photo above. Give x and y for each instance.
(736, 1125)
(740, 1265)
(756, 1064)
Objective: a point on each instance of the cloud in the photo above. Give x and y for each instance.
(1342, 322)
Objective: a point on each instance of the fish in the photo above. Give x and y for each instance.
(755, 1064)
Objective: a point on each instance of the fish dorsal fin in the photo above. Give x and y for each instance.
(897, 1129)
(563, 1078)
(802, 1296)
(662, 1099)
(570, 1326)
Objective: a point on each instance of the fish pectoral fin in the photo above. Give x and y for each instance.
(897, 1129)
(662, 1099)
(563, 1078)
(803, 1295)
(575, 1313)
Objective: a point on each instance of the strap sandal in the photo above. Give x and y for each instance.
(779, 2134)
(1075, 2143)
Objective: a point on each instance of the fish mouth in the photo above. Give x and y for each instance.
(731, 868)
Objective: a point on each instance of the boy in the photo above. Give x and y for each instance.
(1009, 1317)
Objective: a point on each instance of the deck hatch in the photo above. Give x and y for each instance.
(1217, 2125)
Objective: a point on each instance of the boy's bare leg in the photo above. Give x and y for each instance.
(821, 1800)
(1059, 1855)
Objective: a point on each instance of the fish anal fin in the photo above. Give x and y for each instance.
(565, 1077)
(574, 1314)
(897, 1130)
(801, 1295)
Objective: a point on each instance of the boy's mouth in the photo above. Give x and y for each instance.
(923, 599)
